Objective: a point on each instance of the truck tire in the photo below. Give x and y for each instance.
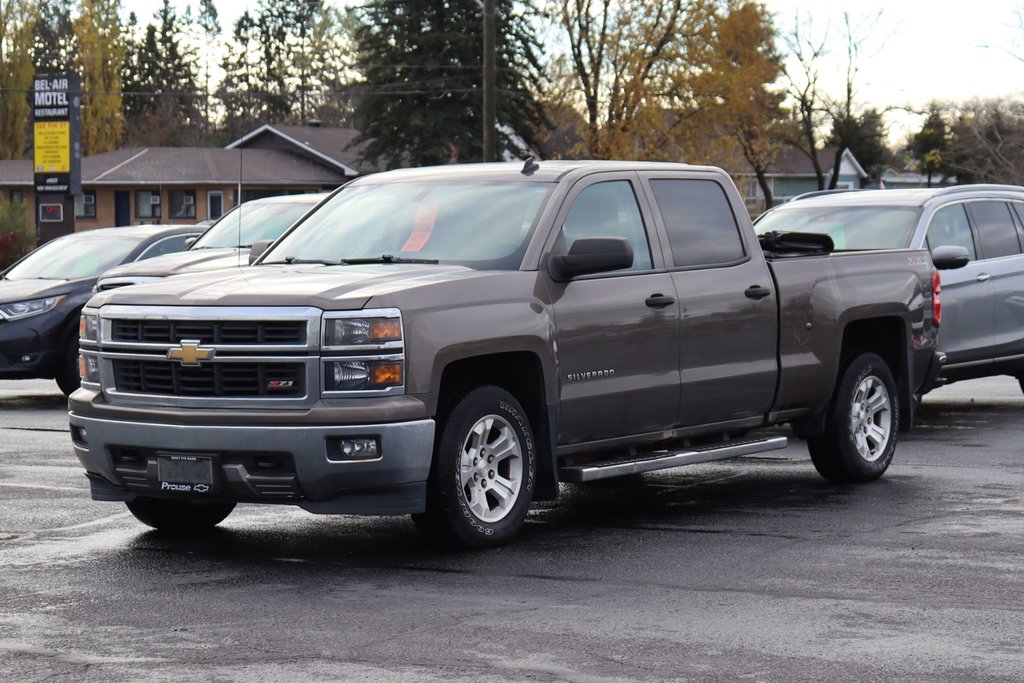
(67, 372)
(860, 429)
(483, 474)
(179, 516)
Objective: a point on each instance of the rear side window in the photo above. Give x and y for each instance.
(702, 229)
(949, 228)
(996, 231)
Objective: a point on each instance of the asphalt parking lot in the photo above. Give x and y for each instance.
(753, 569)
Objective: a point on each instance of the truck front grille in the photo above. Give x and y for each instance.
(210, 331)
(242, 380)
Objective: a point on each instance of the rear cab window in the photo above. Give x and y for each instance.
(702, 229)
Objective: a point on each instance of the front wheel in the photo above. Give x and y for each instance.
(179, 516)
(482, 478)
(860, 431)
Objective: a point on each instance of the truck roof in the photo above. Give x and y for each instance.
(545, 171)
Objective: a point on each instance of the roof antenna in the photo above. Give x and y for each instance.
(530, 165)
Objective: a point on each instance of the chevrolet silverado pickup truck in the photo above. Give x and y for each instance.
(454, 342)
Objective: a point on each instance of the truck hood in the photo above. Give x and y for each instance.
(196, 261)
(326, 287)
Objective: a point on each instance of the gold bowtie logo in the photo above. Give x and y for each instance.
(189, 353)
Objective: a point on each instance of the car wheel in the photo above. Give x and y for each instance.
(861, 427)
(67, 377)
(179, 516)
(483, 474)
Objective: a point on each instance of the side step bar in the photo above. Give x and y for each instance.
(663, 460)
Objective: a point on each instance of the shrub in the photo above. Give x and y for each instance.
(17, 238)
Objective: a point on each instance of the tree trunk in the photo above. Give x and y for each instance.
(836, 164)
(766, 188)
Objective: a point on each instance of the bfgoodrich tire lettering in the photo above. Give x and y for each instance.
(483, 474)
(860, 431)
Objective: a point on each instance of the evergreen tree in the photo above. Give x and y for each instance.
(54, 44)
(209, 28)
(930, 147)
(421, 100)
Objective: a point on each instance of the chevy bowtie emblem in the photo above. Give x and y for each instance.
(189, 353)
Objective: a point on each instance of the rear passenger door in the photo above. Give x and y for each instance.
(728, 315)
(966, 332)
(1000, 248)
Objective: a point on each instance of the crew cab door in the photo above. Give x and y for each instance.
(617, 343)
(728, 309)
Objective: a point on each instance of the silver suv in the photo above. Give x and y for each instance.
(982, 331)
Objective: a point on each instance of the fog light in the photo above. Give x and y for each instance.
(26, 358)
(79, 436)
(89, 368)
(353, 448)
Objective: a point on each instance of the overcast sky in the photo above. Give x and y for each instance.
(913, 51)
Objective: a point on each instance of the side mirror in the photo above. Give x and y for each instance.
(591, 255)
(950, 257)
(190, 241)
(257, 249)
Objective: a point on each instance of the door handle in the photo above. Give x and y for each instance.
(757, 292)
(659, 301)
(983, 277)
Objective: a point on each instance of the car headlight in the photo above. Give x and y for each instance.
(89, 327)
(26, 309)
(345, 374)
(361, 331)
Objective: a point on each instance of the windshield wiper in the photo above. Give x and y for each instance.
(386, 258)
(296, 259)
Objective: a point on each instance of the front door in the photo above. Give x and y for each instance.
(122, 208)
(617, 340)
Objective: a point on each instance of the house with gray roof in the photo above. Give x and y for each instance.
(187, 184)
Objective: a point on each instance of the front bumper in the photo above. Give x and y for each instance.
(292, 464)
(31, 347)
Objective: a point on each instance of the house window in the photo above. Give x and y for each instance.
(51, 213)
(214, 204)
(183, 203)
(147, 203)
(17, 196)
(85, 204)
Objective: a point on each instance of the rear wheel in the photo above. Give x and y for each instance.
(483, 474)
(179, 516)
(860, 431)
(67, 373)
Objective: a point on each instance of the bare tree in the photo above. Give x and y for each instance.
(802, 76)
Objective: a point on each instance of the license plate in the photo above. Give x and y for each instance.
(185, 473)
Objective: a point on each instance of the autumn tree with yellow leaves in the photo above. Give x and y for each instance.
(100, 59)
(17, 23)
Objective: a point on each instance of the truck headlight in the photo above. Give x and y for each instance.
(361, 331)
(89, 327)
(89, 369)
(362, 375)
(26, 309)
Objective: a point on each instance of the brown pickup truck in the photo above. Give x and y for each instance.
(453, 342)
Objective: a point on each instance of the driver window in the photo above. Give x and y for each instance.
(608, 209)
(949, 228)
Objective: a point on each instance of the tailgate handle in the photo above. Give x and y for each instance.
(659, 301)
(757, 292)
(983, 277)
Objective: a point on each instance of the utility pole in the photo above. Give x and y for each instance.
(490, 118)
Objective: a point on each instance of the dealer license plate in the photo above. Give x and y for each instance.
(185, 473)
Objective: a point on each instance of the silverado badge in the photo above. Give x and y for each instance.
(190, 353)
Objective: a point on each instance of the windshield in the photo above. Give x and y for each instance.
(74, 257)
(850, 227)
(258, 222)
(483, 225)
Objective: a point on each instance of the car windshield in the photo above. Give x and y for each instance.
(74, 257)
(484, 225)
(247, 223)
(850, 227)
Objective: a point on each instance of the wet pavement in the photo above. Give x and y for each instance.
(751, 569)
